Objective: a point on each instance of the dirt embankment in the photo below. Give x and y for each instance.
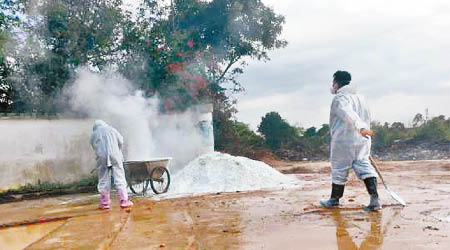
(400, 150)
(412, 150)
(322, 167)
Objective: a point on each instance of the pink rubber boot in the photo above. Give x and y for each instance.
(123, 196)
(104, 202)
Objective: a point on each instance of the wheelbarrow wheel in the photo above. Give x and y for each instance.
(160, 180)
(140, 188)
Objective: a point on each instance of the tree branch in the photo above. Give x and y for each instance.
(232, 61)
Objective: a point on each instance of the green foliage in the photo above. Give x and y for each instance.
(8, 20)
(380, 139)
(310, 132)
(82, 32)
(293, 142)
(188, 52)
(236, 137)
(314, 143)
(386, 134)
(418, 120)
(436, 129)
(324, 130)
(224, 136)
(69, 34)
(276, 130)
(247, 138)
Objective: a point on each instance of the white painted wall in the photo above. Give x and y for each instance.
(34, 150)
(38, 149)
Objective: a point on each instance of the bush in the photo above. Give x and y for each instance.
(276, 130)
(237, 138)
(434, 130)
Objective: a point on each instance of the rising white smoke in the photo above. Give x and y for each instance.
(147, 133)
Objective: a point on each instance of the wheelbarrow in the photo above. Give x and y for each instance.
(153, 173)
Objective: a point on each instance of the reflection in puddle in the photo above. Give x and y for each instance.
(22, 236)
(373, 240)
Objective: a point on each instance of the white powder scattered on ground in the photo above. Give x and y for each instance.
(445, 218)
(217, 172)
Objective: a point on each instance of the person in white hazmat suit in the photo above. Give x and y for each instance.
(107, 143)
(350, 141)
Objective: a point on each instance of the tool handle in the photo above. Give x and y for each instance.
(372, 161)
(393, 195)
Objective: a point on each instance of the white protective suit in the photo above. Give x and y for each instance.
(107, 143)
(349, 149)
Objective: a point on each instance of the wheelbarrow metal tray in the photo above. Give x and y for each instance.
(139, 171)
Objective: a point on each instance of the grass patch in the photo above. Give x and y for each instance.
(36, 191)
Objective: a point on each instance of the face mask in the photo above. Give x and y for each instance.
(333, 92)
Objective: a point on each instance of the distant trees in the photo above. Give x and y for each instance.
(418, 120)
(310, 132)
(324, 130)
(291, 141)
(295, 142)
(314, 142)
(245, 141)
(436, 129)
(276, 130)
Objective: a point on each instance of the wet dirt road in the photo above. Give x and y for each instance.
(282, 219)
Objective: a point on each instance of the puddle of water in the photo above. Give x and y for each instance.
(62, 210)
(22, 236)
(291, 236)
(354, 235)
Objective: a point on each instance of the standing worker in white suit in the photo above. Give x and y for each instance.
(107, 143)
(350, 141)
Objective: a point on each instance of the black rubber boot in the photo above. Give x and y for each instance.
(337, 191)
(371, 185)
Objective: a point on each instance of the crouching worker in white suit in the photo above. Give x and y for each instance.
(350, 141)
(107, 143)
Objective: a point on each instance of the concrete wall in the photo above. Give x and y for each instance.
(44, 149)
(37, 149)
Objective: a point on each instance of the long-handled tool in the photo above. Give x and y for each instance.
(392, 193)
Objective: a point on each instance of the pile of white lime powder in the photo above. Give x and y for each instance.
(218, 172)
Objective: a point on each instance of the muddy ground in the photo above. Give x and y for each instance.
(280, 219)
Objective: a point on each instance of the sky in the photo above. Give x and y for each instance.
(398, 53)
